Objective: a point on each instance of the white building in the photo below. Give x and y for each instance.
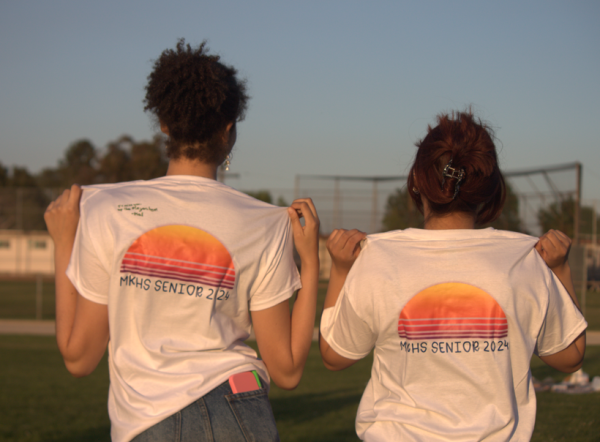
(32, 253)
(26, 253)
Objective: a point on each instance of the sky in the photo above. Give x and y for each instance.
(337, 87)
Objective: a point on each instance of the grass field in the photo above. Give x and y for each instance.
(40, 401)
(17, 301)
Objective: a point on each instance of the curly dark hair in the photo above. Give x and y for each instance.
(468, 143)
(195, 96)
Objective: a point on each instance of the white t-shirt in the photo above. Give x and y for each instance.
(454, 316)
(180, 261)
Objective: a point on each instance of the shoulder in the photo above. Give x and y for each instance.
(95, 196)
(101, 198)
(377, 250)
(508, 234)
(105, 190)
(249, 208)
(385, 239)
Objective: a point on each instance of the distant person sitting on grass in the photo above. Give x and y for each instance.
(454, 314)
(173, 273)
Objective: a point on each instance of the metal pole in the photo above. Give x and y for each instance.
(297, 187)
(594, 222)
(374, 214)
(577, 206)
(584, 281)
(19, 238)
(39, 289)
(19, 208)
(336, 203)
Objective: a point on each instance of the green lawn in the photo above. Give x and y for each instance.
(40, 401)
(566, 417)
(17, 301)
(592, 310)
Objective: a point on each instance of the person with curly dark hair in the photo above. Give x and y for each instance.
(454, 313)
(196, 99)
(173, 274)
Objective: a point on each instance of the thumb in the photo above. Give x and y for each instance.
(295, 219)
(539, 248)
(75, 194)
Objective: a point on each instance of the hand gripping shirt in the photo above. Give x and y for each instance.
(179, 261)
(454, 317)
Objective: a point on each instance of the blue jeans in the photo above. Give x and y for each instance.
(218, 416)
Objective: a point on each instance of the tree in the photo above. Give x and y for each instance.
(115, 165)
(79, 164)
(22, 202)
(148, 159)
(586, 215)
(3, 175)
(21, 177)
(401, 212)
(262, 195)
(50, 178)
(509, 218)
(25, 196)
(560, 215)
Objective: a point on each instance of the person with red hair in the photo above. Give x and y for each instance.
(454, 313)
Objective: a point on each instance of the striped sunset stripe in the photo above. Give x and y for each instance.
(137, 263)
(181, 253)
(452, 328)
(155, 266)
(452, 311)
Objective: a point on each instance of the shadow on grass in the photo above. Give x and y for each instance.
(318, 416)
(591, 365)
(96, 434)
(306, 407)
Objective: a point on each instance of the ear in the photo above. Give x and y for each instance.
(164, 129)
(415, 180)
(229, 134)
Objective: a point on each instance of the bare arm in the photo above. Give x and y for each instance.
(284, 341)
(554, 248)
(344, 248)
(81, 325)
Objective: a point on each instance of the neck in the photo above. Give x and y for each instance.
(184, 166)
(449, 221)
(454, 220)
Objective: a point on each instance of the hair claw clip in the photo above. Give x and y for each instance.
(451, 172)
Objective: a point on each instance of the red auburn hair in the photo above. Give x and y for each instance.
(469, 144)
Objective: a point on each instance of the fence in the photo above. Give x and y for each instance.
(342, 201)
(360, 202)
(353, 201)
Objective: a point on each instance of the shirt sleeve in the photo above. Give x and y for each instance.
(281, 278)
(86, 271)
(347, 327)
(563, 322)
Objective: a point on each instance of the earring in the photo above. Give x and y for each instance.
(415, 190)
(227, 161)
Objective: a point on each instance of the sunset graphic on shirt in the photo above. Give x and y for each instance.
(182, 253)
(452, 311)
